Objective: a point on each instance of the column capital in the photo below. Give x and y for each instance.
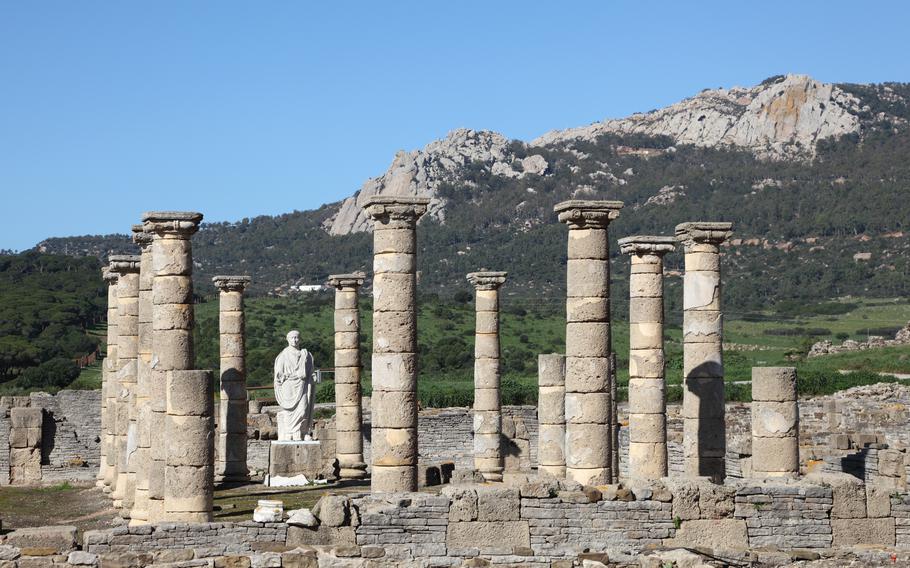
(587, 214)
(235, 283)
(124, 263)
(178, 223)
(703, 232)
(652, 245)
(141, 237)
(352, 280)
(385, 208)
(108, 276)
(487, 280)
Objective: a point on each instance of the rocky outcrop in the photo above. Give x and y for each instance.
(781, 118)
(420, 173)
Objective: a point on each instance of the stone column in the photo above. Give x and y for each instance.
(647, 390)
(487, 403)
(172, 330)
(231, 464)
(106, 473)
(127, 267)
(394, 427)
(775, 422)
(190, 431)
(348, 409)
(551, 414)
(704, 441)
(588, 394)
(139, 514)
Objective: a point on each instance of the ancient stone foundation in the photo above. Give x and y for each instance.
(488, 458)
(394, 429)
(704, 442)
(348, 399)
(589, 393)
(230, 464)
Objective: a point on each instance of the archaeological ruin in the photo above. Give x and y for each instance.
(578, 479)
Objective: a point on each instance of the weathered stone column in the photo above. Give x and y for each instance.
(589, 395)
(348, 409)
(190, 432)
(775, 422)
(647, 390)
(704, 436)
(231, 464)
(139, 513)
(127, 266)
(487, 403)
(394, 427)
(172, 330)
(107, 473)
(551, 414)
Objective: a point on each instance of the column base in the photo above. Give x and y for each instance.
(557, 471)
(353, 471)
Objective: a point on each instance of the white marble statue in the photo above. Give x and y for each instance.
(295, 390)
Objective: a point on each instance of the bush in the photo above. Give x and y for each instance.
(56, 373)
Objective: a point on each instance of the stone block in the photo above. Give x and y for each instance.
(587, 445)
(588, 278)
(588, 243)
(498, 504)
(588, 308)
(394, 371)
(395, 291)
(646, 310)
(387, 240)
(333, 510)
(646, 396)
(701, 291)
(394, 332)
(463, 505)
(403, 263)
(588, 339)
(774, 384)
(848, 494)
(394, 409)
(587, 407)
(25, 417)
(394, 446)
(878, 500)
(646, 363)
(771, 455)
(392, 479)
(775, 419)
(711, 533)
(852, 532)
(703, 398)
(290, 459)
(59, 538)
(587, 374)
(646, 335)
(647, 428)
(891, 463)
(478, 534)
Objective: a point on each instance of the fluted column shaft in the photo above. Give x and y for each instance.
(107, 472)
(394, 425)
(488, 458)
(127, 266)
(139, 513)
(775, 422)
(589, 396)
(551, 414)
(704, 436)
(231, 444)
(348, 404)
(647, 389)
(172, 341)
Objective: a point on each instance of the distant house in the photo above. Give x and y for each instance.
(305, 288)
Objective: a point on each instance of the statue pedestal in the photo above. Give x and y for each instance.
(294, 463)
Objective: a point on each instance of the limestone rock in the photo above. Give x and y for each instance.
(781, 118)
(268, 511)
(82, 558)
(58, 538)
(302, 518)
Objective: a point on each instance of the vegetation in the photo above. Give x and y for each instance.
(446, 331)
(47, 304)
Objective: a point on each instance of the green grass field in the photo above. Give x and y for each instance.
(446, 329)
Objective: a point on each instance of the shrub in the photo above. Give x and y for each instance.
(56, 373)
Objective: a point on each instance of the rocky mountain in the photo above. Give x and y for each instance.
(783, 118)
(813, 175)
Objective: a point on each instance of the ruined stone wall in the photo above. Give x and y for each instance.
(70, 430)
(206, 539)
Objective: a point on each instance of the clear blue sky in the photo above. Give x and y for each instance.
(239, 109)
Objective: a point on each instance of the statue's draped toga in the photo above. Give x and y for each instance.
(295, 392)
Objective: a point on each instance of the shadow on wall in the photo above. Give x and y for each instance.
(706, 394)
